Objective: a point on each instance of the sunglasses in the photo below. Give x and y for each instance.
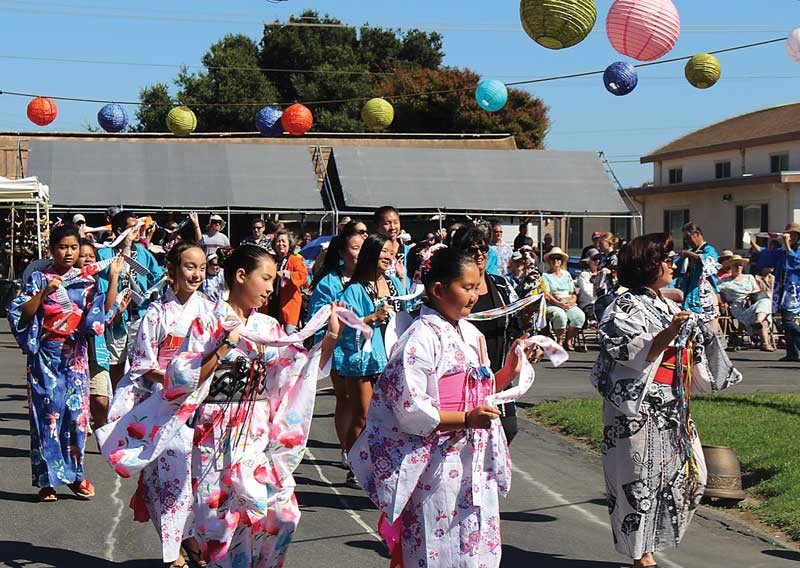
(483, 249)
(363, 232)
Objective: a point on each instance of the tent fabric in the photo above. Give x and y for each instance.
(177, 175)
(474, 180)
(25, 190)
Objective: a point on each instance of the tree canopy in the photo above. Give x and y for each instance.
(338, 64)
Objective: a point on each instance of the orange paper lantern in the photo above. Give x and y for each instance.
(297, 120)
(42, 111)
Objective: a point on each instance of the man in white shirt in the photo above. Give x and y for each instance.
(214, 238)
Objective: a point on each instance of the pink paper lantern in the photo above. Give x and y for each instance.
(643, 29)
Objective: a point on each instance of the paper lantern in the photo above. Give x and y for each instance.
(620, 78)
(793, 45)
(297, 120)
(42, 111)
(377, 114)
(268, 121)
(491, 95)
(703, 70)
(181, 121)
(112, 118)
(643, 29)
(556, 24)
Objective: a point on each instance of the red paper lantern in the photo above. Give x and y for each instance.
(42, 111)
(643, 29)
(297, 120)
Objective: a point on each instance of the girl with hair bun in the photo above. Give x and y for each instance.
(431, 443)
(249, 397)
(164, 492)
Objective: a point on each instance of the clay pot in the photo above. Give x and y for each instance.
(724, 474)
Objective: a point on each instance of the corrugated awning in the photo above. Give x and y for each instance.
(473, 180)
(176, 175)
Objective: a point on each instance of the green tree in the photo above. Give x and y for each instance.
(152, 113)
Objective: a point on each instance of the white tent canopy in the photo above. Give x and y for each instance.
(27, 190)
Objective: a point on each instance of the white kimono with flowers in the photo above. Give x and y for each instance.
(244, 455)
(164, 492)
(443, 487)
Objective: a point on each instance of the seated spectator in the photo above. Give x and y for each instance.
(724, 270)
(585, 283)
(748, 303)
(562, 301)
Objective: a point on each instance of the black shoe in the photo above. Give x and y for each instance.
(351, 481)
(788, 359)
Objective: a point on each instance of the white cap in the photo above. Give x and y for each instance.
(78, 218)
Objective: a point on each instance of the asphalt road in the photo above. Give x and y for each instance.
(554, 517)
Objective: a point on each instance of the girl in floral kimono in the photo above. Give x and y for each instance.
(250, 403)
(164, 493)
(51, 320)
(652, 356)
(433, 456)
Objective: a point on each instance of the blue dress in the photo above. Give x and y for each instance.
(690, 283)
(58, 375)
(329, 289)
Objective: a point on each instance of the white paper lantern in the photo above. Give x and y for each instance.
(793, 45)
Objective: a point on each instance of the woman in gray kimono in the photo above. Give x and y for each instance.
(652, 357)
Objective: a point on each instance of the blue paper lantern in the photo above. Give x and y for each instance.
(268, 121)
(112, 118)
(491, 95)
(620, 78)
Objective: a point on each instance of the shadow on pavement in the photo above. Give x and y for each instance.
(14, 416)
(13, 432)
(12, 386)
(374, 545)
(20, 497)
(787, 554)
(524, 517)
(19, 554)
(320, 444)
(514, 557)
(310, 499)
(13, 453)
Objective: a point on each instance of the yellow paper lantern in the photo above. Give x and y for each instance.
(377, 114)
(556, 24)
(181, 121)
(703, 70)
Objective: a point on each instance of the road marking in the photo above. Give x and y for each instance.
(591, 517)
(343, 500)
(111, 539)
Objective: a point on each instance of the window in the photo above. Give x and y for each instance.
(722, 170)
(621, 228)
(779, 163)
(750, 219)
(575, 238)
(674, 220)
(676, 175)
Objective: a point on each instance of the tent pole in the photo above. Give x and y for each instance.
(38, 230)
(11, 264)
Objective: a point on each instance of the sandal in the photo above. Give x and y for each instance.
(193, 557)
(82, 490)
(47, 495)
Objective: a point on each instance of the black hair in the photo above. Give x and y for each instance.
(639, 263)
(380, 212)
(446, 265)
(119, 221)
(246, 257)
(467, 236)
(691, 228)
(84, 242)
(330, 262)
(367, 265)
(61, 232)
(258, 220)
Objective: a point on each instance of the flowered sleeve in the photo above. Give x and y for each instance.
(151, 335)
(27, 335)
(95, 318)
(404, 385)
(183, 372)
(624, 335)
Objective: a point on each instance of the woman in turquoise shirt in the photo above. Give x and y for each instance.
(338, 267)
(369, 294)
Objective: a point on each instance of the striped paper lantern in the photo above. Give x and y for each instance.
(377, 113)
(703, 70)
(112, 118)
(793, 45)
(620, 78)
(297, 119)
(491, 95)
(181, 121)
(42, 111)
(268, 121)
(556, 24)
(643, 29)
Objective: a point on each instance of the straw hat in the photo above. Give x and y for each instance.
(556, 251)
(725, 255)
(793, 228)
(218, 219)
(736, 258)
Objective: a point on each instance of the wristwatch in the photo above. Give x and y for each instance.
(230, 343)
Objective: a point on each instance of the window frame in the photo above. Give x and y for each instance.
(722, 163)
(739, 225)
(678, 175)
(780, 156)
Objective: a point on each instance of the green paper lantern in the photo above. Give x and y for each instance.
(377, 114)
(703, 70)
(556, 24)
(181, 121)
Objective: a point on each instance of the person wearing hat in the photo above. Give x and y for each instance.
(214, 238)
(595, 237)
(790, 293)
(724, 271)
(562, 302)
(737, 288)
(214, 283)
(585, 283)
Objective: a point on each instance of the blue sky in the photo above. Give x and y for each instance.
(583, 115)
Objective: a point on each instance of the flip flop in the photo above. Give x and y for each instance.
(82, 490)
(47, 495)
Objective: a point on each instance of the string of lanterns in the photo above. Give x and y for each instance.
(644, 30)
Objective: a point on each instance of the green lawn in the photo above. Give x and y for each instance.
(763, 430)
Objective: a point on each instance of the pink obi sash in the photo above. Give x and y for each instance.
(465, 390)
